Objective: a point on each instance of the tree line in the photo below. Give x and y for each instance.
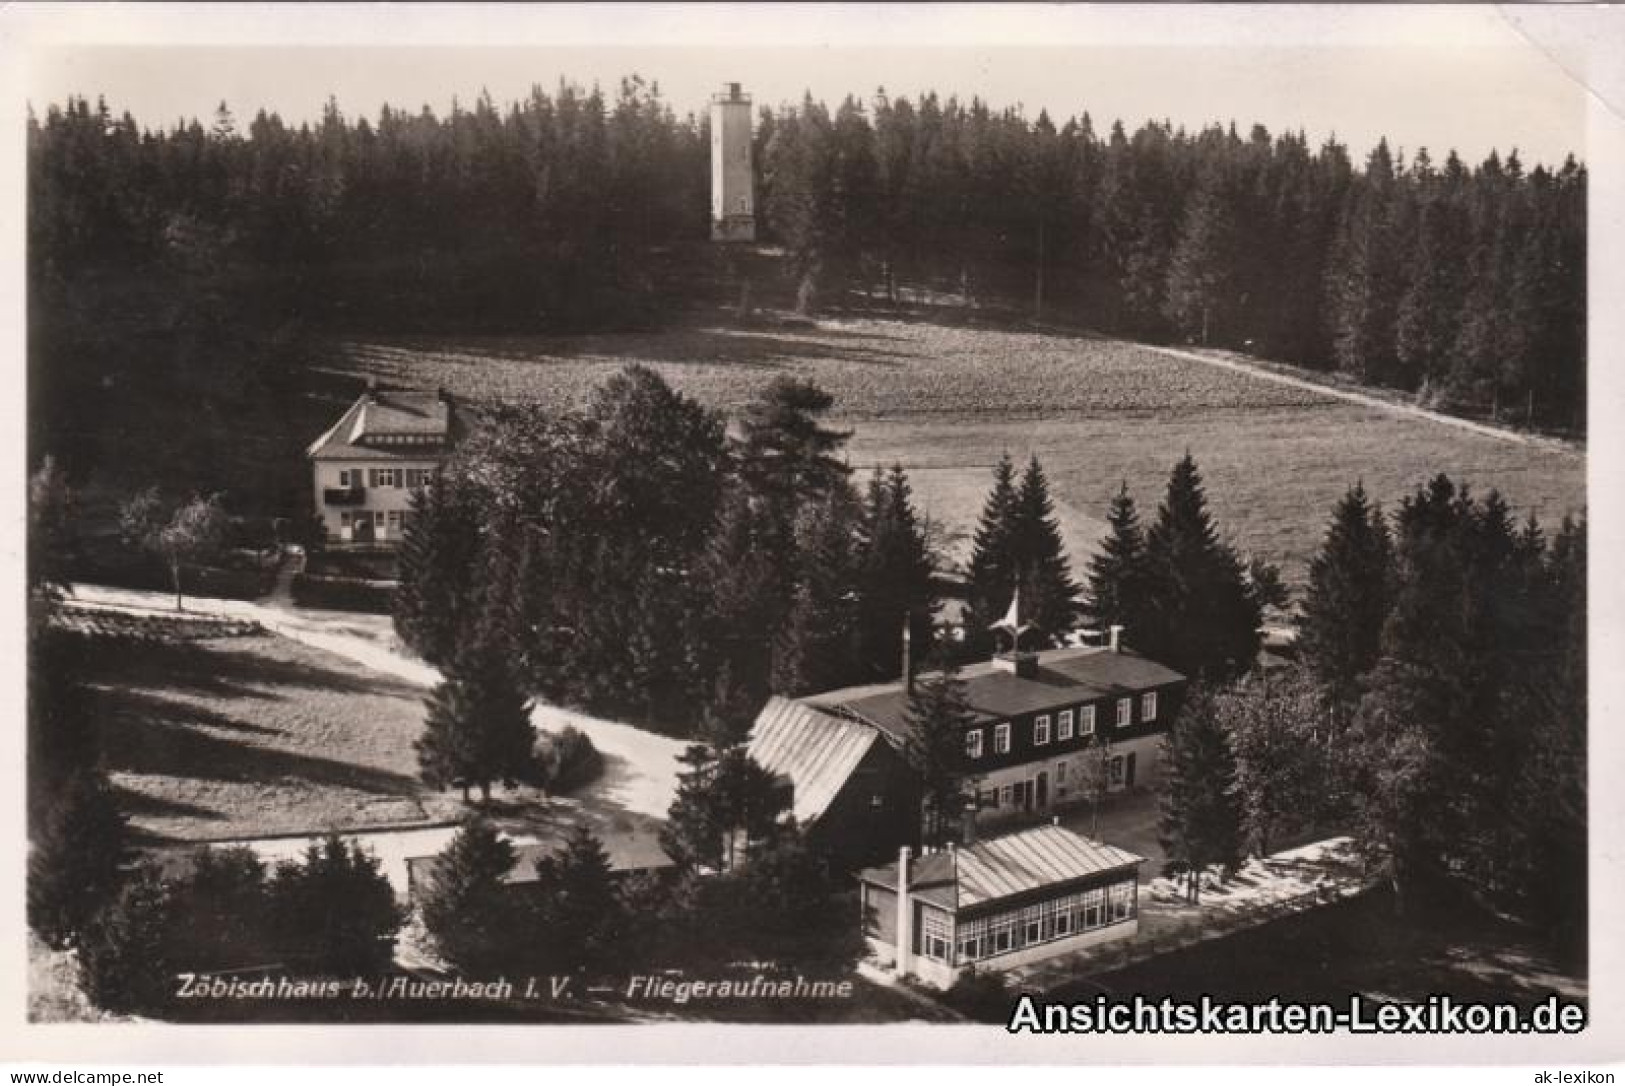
(1465, 283)
(1437, 708)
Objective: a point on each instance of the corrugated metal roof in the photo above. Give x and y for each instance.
(1064, 677)
(1001, 867)
(816, 751)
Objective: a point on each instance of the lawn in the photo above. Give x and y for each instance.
(232, 737)
(947, 401)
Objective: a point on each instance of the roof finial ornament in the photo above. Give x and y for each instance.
(1011, 623)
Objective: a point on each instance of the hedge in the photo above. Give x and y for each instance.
(344, 593)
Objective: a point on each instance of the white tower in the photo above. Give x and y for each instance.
(733, 189)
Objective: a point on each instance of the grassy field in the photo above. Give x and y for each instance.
(251, 736)
(946, 402)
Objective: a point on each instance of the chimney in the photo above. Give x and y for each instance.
(908, 657)
(905, 914)
(733, 92)
(372, 388)
(967, 822)
(1117, 639)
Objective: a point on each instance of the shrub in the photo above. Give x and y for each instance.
(566, 760)
(344, 594)
(982, 996)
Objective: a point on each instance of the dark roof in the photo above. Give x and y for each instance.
(388, 425)
(1064, 677)
(1007, 866)
(628, 851)
(815, 751)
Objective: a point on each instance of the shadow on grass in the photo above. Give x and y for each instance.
(744, 346)
(235, 669)
(152, 736)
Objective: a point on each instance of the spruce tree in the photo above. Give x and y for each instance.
(1202, 265)
(727, 805)
(439, 561)
(579, 921)
(1049, 594)
(125, 956)
(78, 862)
(816, 649)
(477, 729)
(786, 455)
(1200, 617)
(991, 575)
(1200, 818)
(938, 715)
(1348, 598)
(468, 908)
(335, 911)
(894, 580)
(1116, 590)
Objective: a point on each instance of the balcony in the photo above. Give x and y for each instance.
(351, 495)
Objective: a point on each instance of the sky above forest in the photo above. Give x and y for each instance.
(1472, 78)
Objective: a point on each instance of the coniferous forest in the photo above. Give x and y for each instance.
(575, 208)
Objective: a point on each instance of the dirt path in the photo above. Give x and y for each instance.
(640, 768)
(1365, 399)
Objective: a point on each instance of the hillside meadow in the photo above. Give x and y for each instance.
(945, 402)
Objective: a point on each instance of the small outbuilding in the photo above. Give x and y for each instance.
(1002, 902)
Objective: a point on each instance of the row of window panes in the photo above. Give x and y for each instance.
(1064, 725)
(397, 518)
(996, 797)
(936, 934)
(411, 478)
(1045, 922)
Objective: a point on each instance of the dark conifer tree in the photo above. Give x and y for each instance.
(1048, 592)
(1200, 821)
(125, 956)
(894, 581)
(437, 599)
(468, 908)
(939, 713)
(1350, 590)
(579, 919)
(991, 574)
(1200, 617)
(477, 730)
(1116, 590)
(817, 648)
(1203, 264)
(78, 862)
(335, 911)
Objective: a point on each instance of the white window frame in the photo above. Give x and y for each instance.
(1086, 720)
(1148, 706)
(1041, 730)
(1063, 725)
(973, 743)
(1001, 738)
(1060, 772)
(1125, 712)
